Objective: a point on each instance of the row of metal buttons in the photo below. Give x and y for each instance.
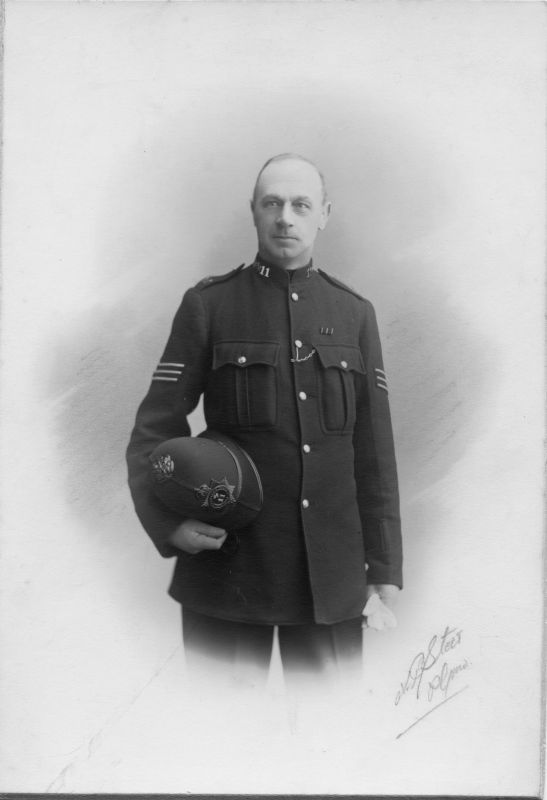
(305, 447)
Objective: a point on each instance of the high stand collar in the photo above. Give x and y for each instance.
(280, 275)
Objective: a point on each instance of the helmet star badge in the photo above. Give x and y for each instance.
(217, 495)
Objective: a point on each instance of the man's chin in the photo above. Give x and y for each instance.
(285, 250)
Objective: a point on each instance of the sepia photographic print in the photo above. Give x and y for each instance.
(272, 408)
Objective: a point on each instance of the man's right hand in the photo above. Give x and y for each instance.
(193, 536)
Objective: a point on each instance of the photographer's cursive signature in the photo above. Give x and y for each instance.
(434, 671)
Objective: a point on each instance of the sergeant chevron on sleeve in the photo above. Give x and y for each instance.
(285, 512)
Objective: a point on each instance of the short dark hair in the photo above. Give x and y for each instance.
(292, 157)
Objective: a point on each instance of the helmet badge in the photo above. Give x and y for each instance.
(163, 467)
(217, 495)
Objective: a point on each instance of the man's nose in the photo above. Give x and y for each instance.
(285, 216)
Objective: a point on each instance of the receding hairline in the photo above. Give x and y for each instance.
(292, 157)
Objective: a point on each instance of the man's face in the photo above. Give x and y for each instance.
(288, 211)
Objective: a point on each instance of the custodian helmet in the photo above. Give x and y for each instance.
(209, 478)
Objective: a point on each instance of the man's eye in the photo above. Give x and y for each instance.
(272, 203)
(302, 206)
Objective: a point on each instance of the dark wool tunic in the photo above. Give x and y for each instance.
(290, 367)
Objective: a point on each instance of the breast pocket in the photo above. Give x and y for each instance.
(339, 366)
(244, 385)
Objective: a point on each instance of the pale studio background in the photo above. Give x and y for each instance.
(133, 133)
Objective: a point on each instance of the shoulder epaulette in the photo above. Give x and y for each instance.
(340, 285)
(214, 279)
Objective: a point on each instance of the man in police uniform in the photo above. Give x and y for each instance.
(289, 362)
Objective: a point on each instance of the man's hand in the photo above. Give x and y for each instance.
(387, 592)
(193, 536)
(377, 611)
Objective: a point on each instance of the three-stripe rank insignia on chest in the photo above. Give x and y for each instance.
(169, 371)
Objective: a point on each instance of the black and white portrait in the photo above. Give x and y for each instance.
(363, 317)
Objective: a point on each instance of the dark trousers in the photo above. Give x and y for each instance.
(241, 652)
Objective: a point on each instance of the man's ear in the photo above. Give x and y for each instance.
(325, 214)
(252, 205)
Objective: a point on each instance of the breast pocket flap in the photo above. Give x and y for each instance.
(245, 354)
(346, 358)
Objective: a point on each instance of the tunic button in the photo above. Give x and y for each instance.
(294, 296)
(305, 503)
(298, 343)
(241, 360)
(344, 364)
(302, 395)
(306, 448)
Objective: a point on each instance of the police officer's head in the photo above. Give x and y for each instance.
(289, 208)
